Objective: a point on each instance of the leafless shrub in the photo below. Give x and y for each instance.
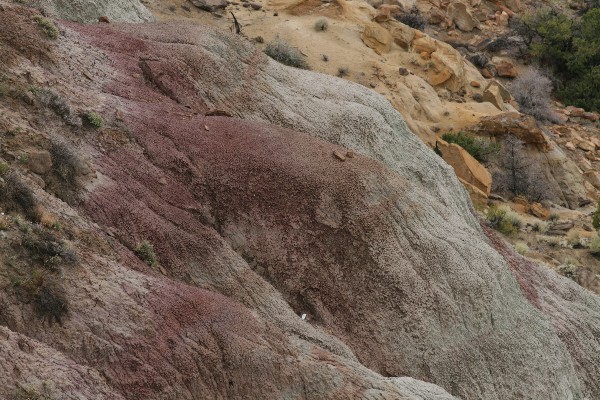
(49, 98)
(64, 171)
(283, 52)
(532, 90)
(16, 195)
(413, 18)
(516, 174)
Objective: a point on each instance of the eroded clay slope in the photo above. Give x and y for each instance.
(376, 254)
(255, 222)
(91, 10)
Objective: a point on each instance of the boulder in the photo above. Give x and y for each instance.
(437, 16)
(538, 210)
(406, 5)
(524, 127)
(375, 3)
(593, 177)
(502, 18)
(468, 169)
(402, 34)
(513, 5)
(210, 5)
(493, 95)
(377, 38)
(461, 16)
(506, 69)
(586, 145)
(424, 44)
(386, 12)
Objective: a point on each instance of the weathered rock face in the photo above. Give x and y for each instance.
(522, 126)
(461, 16)
(91, 10)
(255, 222)
(468, 169)
(210, 5)
(377, 38)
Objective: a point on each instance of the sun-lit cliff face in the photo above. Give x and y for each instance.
(185, 218)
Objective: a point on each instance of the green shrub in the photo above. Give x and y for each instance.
(553, 217)
(321, 25)
(47, 26)
(480, 149)
(94, 119)
(571, 47)
(282, 52)
(343, 71)
(145, 252)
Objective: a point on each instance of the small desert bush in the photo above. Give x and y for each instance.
(284, 53)
(343, 71)
(47, 26)
(554, 217)
(145, 252)
(575, 241)
(50, 304)
(4, 168)
(552, 241)
(503, 220)
(480, 149)
(532, 90)
(521, 248)
(3, 223)
(64, 162)
(321, 25)
(595, 245)
(64, 171)
(57, 103)
(16, 196)
(540, 227)
(48, 301)
(51, 252)
(94, 120)
(413, 18)
(596, 217)
(29, 392)
(569, 270)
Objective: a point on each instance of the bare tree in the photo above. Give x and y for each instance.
(516, 174)
(532, 90)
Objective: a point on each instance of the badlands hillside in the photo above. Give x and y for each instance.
(183, 217)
